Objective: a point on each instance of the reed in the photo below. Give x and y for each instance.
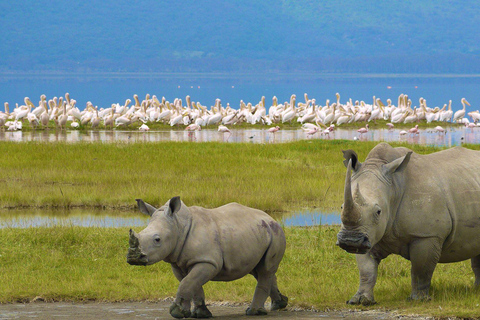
(272, 177)
(78, 264)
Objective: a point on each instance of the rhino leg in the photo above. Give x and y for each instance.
(368, 269)
(424, 255)
(190, 285)
(476, 269)
(262, 291)
(279, 301)
(200, 310)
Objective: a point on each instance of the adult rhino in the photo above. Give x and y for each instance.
(221, 244)
(422, 207)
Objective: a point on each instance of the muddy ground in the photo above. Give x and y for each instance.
(159, 311)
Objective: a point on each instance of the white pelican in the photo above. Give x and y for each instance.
(62, 120)
(460, 113)
(475, 115)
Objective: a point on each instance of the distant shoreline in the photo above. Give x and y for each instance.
(226, 75)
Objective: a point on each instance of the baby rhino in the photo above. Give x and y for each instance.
(221, 244)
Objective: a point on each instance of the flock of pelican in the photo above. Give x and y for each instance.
(193, 115)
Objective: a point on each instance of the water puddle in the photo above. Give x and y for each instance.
(454, 136)
(116, 219)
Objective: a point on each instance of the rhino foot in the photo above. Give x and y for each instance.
(362, 299)
(201, 312)
(178, 312)
(256, 312)
(280, 304)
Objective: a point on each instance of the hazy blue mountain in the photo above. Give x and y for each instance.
(240, 36)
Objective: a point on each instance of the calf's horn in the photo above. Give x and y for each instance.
(133, 241)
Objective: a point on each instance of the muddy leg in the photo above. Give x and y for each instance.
(190, 285)
(200, 310)
(279, 301)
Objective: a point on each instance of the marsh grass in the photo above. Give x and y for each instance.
(77, 264)
(271, 177)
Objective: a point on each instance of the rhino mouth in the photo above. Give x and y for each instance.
(353, 242)
(136, 258)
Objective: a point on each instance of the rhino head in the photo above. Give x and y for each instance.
(371, 190)
(158, 240)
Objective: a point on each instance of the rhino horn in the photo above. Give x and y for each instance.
(133, 241)
(359, 199)
(349, 214)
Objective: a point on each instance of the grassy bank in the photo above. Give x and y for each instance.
(271, 177)
(72, 263)
(159, 126)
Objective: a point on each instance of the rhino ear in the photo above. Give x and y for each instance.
(397, 165)
(351, 155)
(145, 208)
(173, 206)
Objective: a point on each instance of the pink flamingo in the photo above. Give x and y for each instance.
(414, 130)
(274, 129)
(193, 127)
(363, 130)
(440, 130)
(311, 132)
(223, 129)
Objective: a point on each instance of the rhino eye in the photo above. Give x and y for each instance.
(156, 239)
(379, 211)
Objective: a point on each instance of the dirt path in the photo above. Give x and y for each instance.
(159, 311)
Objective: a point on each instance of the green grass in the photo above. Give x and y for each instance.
(160, 126)
(77, 264)
(271, 177)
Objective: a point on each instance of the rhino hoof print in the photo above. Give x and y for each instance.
(201, 312)
(178, 312)
(256, 312)
(280, 304)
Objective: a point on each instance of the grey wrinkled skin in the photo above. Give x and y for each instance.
(422, 207)
(221, 244)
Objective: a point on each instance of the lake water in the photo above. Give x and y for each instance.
(104, 89)
(454, 136)
(115, 219)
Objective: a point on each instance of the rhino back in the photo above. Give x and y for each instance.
(441, 199)
(233, 237)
